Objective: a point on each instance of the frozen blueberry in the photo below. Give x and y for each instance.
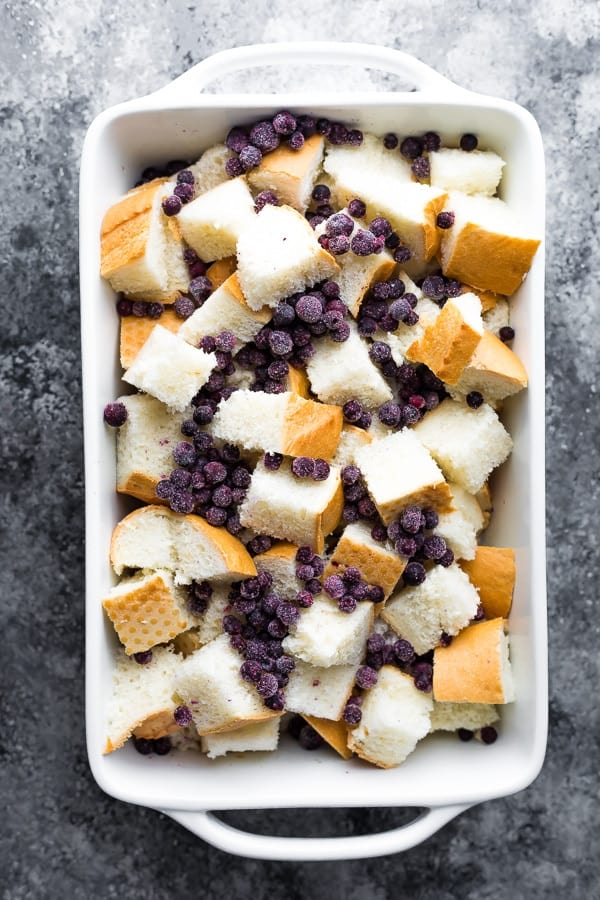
(468, 142)
(280, 343)
(506, 334)
(474, 399)
(334, 587)
(403, 651)
(264, 136)
(434, 546)
(402, 254)
(445, 219)
(392, 241)
(340, 333)
(405, 546)
(287, 613)
(352, 713)
(203, 414)
(215, 472)
(347, 603)
(143, 746)
(164, 489)
(171, 205)
(488, 734)
(366, 678)
(184, 191)
(303, 467)
(321, 193)
(304, 599)
(379, 352)
(423, 676)
(464, 734)
(180, 478)
(272, 461)
(309, 308)
(184, 307)
(184, 454)
(431, 517)
(124, 306)
(200, 288)
(434, 287)
(251, 670)
(182, 502)
(323, 126)
(390, 414)
(379, 532)
(237, 139)
(339, 223)
(411, 519)
(321, 470)
(265, 198)
(182, 716)
(143, 657)
(309, 739)
(115, 414)
(375, 593)
(284, 314)
(225, 341)
(284, 123)
(414, 574)
(420, 167)
(249, 158)
(352, 410)
(431, 141)
(364, 243)
(390, 141)
(234, 167)
(357, 208)
(411, 147)
(267, 685)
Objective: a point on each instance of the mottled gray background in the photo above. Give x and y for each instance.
(60, 64)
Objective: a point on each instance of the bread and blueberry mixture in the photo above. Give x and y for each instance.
(317, 324)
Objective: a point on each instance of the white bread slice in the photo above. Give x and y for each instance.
(473, 716)
(145, 445)
(341, 372)
(141, 249)
(280, 562)
(141, 698)
(254, 737)
(351, 439)
(325, 636)
(225, 310)
(279, 423)
(461, 527)
(473, 172)
(209, 683)
(378, 563)
(448, 344)
(493, 370)
(358, 273)
(209, 171)
(318, 691)
(135, 331)
(488, 246)
(475, 667)
(399, 472)
(147, 609)
(278, 255)
(298, 510)
(445, 602)
(154, 537)
(493, 572)
(213, 222)
(169, 369)
(395, 716)
(290, 174)
(334, 733)
(467, 443)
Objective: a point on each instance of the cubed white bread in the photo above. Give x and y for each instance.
(225, 310)
(209, 683)
(319, 691)
(278, 255)
(475, 667)
(405, 336)
(472, 716)
(145, 445)
(279, 423)
(339, 372)
(169, 369)
(358, 273)
(468, 444)
(493, 370)
(135, 331)
(399, 472)
(493, 572)
(395, 716)
(141, 698)
(219, 271)
(497, 317)
(154, 537)
(209, 171)
(461, 527)
(324, 636)
(290, 174)
(299, 510)
(333, 733)
(488, 246)
(378, 563)
(445, 602)
(280, 562)
(147, 609)
(473, 172)
(209, 624)
(141, 248)
(213, 222)
(254, 737)
(383, 181)
(351, 439)
(448, 344)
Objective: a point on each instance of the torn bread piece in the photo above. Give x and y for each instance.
(472, 172)
(475, 667)
(333, 733)
(209, 683)
(395, 716)
(225, 310)
(493, 370)
(319, 691)
(447, 345)
(170, 369)
(378, 562)
(493, 573)
(209, 170)
(461, 527)
(290, 174)
(325, 636)
(135, 331)
(255, 737)
(351, 440)
(212, 223)
(154, 537)
(279, 255)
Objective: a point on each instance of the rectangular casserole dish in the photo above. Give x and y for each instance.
(443, 774)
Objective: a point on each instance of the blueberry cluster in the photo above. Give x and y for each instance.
(210, 481)
(387, 305)
(349, 589)
(320, 207)
(408, 534)
(357, 503)
(199, 595)
(167, 171)
(488, 734)
(309, 570)
(259, 621)
(418, 390)
(439, 288)
(161, 746)
(356, 414)
(183, 193)
(400, 653)
(139, 308)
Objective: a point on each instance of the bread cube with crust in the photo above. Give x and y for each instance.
(333, 733)
(212, 223)
(400, 472)
(225, 310)
(468, 444)
(209, 683)
(461, 527)
(319, 691)
(290, 174)
(395, 716)
(135, 331)
(492, 571)
(298, 510)
(378, 563)
(209, 624)
(254, 737)
(209, 170)
(445, 602)
(325, 636)
(475, 667)
(279, 255)
(280, 562)
(472, 172)
(472, 716)
(351, 440)
(447, 344)
(169, 369)
(493, 370)
(488, 246)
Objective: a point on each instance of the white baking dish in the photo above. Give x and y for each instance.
(443, 774)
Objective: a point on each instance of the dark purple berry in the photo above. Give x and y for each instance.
(124, 306)
(234, 167)
(390, 141)
(250, 157)
(357, 208)
(468, 142)
(392, 241)
(276, 702)
(237, 139)
(115, 414)
(420, 167)
(184, 191)
(352, 410)
(347, 604)
(321, 193)
(488, 734)
(474, 399)
(200, 288)
(411, 147)
(405, 546)
(280, 343)
(402, 254)
(171, 205)
(465, 734)
(264, 136)
(340, 333)
(366, 678)
(423, 676)
(338, 224)
(352, 713)
(434, 287)
(403, 651)
(265, 198)
(182, 716)
(267, 685)
(445, 219)
(309, 739)
(284, 123)
(506, 334)
(414, 574)
(303, 467)
(431, 141)
(380, 227)
(309, 308)
(434, 546)
(143, 657)
(363, 243)
(215, 472)
(184, 307)
(334, 587)
(411, 519)
(272, 461)
(143, 746)
(379, 532)
(321, 470)
(379, 352)
(182, 502)
(184, 454)
(251, 671)
(338, 245)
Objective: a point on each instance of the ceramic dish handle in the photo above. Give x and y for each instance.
(322, 53)
(258, 846)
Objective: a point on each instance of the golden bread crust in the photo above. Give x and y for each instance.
(490, 261)
(493, 573)
(377, 565)
(135, 332)
(447, 345)
(469, 670)
(311, 428)
(438, 496)
(146, 615)
(334, 733)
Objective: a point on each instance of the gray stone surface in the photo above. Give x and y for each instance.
(61, 64)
